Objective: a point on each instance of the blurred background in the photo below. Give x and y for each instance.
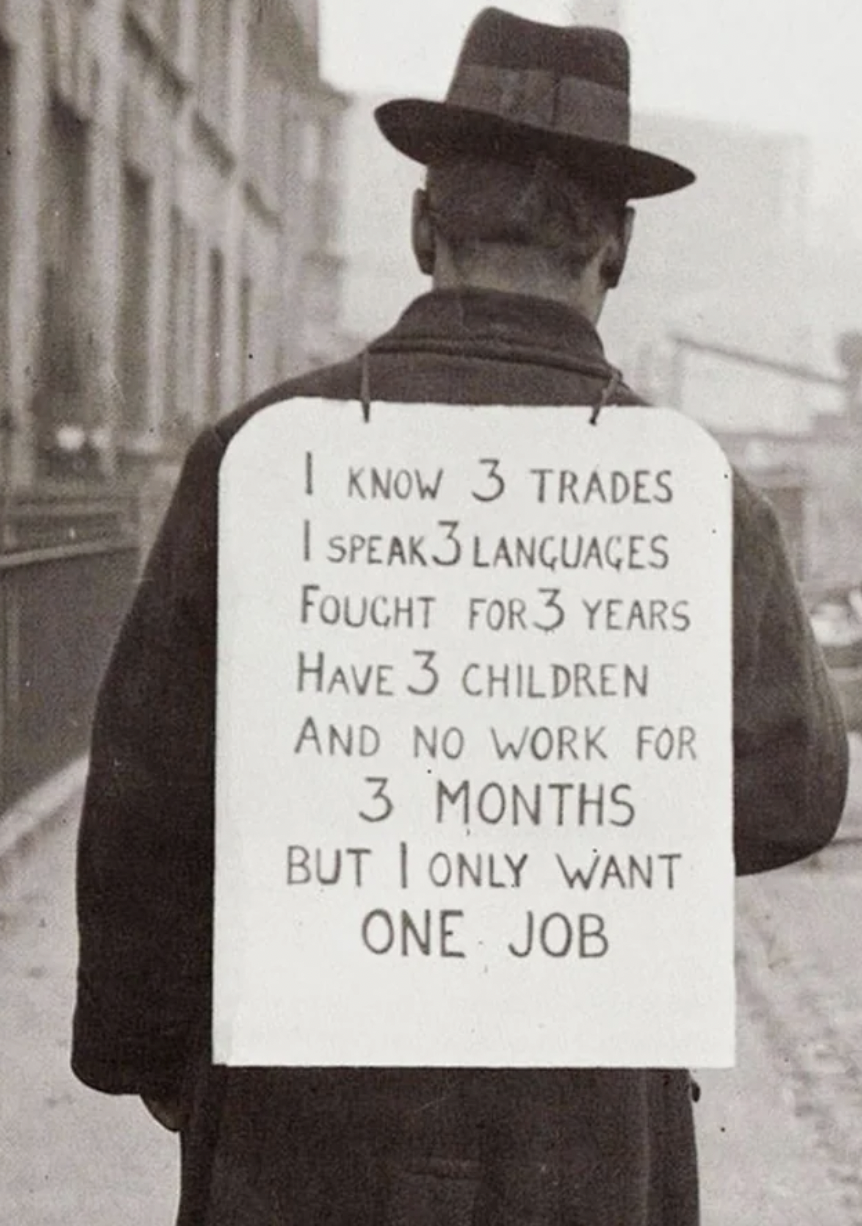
(195, 203)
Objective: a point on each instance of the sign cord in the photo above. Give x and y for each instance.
(365, 386)
(611, 388)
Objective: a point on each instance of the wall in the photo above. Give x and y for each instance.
(153, 237)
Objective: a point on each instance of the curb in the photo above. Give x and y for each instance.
(850, 827)
(34, 812)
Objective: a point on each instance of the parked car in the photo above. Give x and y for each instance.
(836, 618)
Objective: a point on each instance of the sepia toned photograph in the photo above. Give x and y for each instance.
(430, 613)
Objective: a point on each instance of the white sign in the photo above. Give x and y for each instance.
(474, 801)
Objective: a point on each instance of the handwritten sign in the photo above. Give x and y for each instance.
(474, 740)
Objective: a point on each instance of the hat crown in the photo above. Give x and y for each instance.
(569, 81)
(497, 39)
(521, 89)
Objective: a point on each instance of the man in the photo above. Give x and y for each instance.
(524, 227)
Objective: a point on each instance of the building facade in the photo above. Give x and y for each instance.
(722, 262)
(167, 222)
(380, 275)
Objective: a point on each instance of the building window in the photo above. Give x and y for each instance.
(163, 16)
(170, 24)
(173, 390)
(214, 62)
(61, 405)
(174, 341)
(318, 156)
(135, 300)
(311, 153)
(6, 218)
(181, 326)
(266, 100)
(246, 353)
(215, 338)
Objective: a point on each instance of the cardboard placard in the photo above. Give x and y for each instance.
(474, 800)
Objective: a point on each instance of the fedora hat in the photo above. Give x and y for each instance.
(522, 88)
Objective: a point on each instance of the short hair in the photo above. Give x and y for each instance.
(477, 201)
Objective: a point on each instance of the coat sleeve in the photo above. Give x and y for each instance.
(790, 742)
(145, 853)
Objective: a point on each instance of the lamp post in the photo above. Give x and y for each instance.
(850, 357)
(848, 382)
(7, 427)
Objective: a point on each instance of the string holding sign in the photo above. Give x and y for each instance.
(365, 387)
(609, 392)
(611, 388)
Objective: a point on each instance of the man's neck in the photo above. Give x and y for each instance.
(521, 271)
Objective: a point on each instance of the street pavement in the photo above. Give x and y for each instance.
(780, 1136)
(67, 1155)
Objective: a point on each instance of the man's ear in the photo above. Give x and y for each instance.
(422, 233)
(614, 262)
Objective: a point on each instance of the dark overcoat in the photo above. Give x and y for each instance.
(278, 1147)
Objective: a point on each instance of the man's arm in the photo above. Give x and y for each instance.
(145, 857)
(790, 742)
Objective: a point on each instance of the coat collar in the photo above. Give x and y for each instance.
(519, 321)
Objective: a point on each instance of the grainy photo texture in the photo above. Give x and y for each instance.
(214, 213)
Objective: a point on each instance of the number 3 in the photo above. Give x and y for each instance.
(427, 658)
(493, 474)
(381, 795)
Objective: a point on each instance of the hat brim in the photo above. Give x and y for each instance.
(431, 132)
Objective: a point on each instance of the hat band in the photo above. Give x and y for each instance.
(570, 106)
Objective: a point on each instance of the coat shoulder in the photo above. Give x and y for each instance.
(338, 382)
(756, 527)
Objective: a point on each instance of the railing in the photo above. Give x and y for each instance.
(49, 518)
(63, 590)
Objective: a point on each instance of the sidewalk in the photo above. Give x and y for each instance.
(67, 1155)
(780, 1136)
(24, 824)
(760, 1135)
